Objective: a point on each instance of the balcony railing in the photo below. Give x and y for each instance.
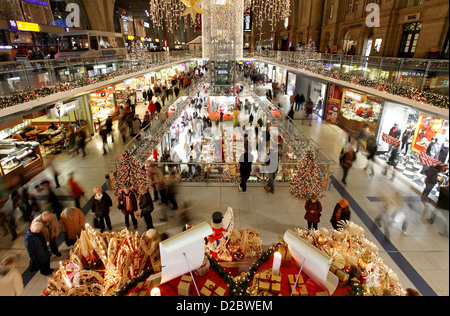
(24, 81)
(422, 80)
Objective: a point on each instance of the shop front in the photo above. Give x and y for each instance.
(103, 104)
(357, 110)
(333, 103)
(317, 94)
(421, 140)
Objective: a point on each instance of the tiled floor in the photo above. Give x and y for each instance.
(420, 259)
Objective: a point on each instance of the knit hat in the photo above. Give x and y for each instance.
(343, 203)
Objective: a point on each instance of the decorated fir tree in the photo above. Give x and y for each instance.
(309, 178)
(131, 172)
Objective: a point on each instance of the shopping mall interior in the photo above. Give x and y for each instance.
(224, 148)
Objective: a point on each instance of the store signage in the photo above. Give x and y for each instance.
(390, 140)
(412, 17)
(73, 18)
(37, 2)
(13, 24)
(27, 26)
(353, 95)
(60, 109)
(248, 20)
(430, 161)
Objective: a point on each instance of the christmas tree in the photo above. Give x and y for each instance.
(130, 172)
(309, 178)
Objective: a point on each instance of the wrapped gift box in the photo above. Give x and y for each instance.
(212, 289)
(184, 286)
(298, 290)
(285, 256)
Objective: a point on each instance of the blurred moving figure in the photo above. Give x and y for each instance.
(11, 283)
(75, 190)
(7, 217)
(391, 208)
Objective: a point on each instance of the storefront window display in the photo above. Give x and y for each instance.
(102, 104)
(405, 118)
(317, 95)
(357, 110)
(431, 137)
(225, 104)
(334, 96)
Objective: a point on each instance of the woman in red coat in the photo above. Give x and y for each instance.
(313, 209)
(128, 205)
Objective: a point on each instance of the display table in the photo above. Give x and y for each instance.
(125, 264)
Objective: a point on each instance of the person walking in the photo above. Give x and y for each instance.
(104, 136)
(341, 212)
(313, 208)
(136, 126)
(72, 223)
(37, 249)
(297, 101)
(172, 190)
(11, 283)
(109, 129)
(128, 205)
(346, 161)
(123, 128)
(372, 149)
(302, 101)
(101, 207)
(245, 167)
(309, 107)
(50, 230)
(7, 217)
(432, 177)
(145, 206)
(80, 141)
(75, 190)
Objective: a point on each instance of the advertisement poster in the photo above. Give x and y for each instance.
(428, 127)
(333, 103)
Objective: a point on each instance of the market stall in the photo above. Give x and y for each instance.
(19, 159)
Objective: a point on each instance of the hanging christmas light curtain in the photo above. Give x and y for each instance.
(272, 11)
(168, 15)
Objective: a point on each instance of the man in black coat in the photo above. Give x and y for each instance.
(101, 204)
(245, 167)
(432, 178)
(146, 206)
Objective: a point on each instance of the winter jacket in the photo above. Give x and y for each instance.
(146, 203)
(75, 189)
(340, 213)
(50, 230)
(245, 165)
(101, 207)
(37, 247)
(432, 175)
(73, 223)
(132, 206)
(315, 207)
